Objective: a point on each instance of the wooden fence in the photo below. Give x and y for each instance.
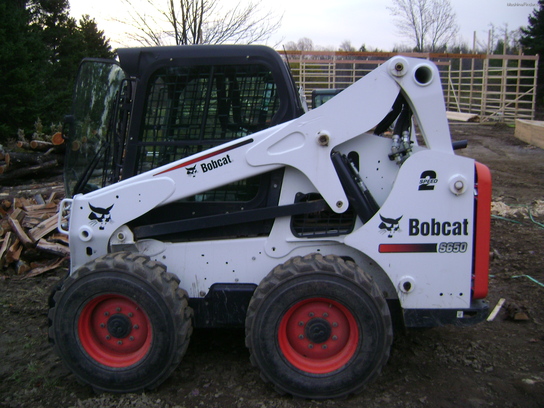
(493, 87)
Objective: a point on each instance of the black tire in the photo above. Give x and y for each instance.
(317, 327)
(121, 323)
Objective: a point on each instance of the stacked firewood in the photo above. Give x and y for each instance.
(30, 243)
(40, 156)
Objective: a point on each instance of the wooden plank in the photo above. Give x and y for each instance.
(18, 213)
(496, 310)
(14, 252)
(51, 248)
(59, 239)
(5, 245)
(20, 232)
(44, 268)
(44, 228)
(31, 221)
(530, 131)
(52, 197)
(40, 207)
(462, 117)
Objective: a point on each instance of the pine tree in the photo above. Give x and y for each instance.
(67, 43)
(96, 45)
(65, 47)
(532, 40)
(41, 47)
(22, 58)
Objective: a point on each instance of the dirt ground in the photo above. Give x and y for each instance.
(493, 364)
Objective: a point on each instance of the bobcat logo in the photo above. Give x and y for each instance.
(191, 171)
(389, 225)
(100, 216)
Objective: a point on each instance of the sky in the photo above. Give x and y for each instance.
(330, 22)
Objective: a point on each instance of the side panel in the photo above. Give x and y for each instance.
(422, 236)
(199, 265)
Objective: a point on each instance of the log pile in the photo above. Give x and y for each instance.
(40, 157)
(29, 241)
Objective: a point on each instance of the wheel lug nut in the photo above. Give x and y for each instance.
(324, 346)
(106, 313)
(118, 309)
(300, 336)
(108, 337)
(131, 338)
(130, 314)
(136, 326)
(311, 314)
(335, 337)
(335, 324)
(102, 325)
(301, 323)
(310, 346)
(119, 342)
(325, 314)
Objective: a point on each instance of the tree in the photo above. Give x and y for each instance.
(346, 46)
(532, 40)
(498, 36)
(430, 24)
(42, 47)
(183, 22)
(94, 41)
(303, 44)
(67, 43)
(21, 66)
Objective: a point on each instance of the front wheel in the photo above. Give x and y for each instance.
(121, 323)
(318, 327)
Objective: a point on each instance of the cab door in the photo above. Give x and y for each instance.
(96, 127)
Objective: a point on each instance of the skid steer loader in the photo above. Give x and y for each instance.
(201, 194)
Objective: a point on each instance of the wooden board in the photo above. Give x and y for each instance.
(462, 117)
(530, 131)
(44, 228)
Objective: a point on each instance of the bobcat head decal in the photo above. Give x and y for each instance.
(389, 225)
(191, 171)
(100, 216)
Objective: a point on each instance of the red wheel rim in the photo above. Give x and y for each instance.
(114, 331)
(318, 335)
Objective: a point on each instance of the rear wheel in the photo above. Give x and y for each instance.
(121, 323)
(318, 327)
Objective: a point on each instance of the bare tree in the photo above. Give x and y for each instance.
(501, 40)
(443, 27)
(430, 24)
(346, 46)
(184, 22)
(303, 44)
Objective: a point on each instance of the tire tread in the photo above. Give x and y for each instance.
(151, 272)
(329, 264)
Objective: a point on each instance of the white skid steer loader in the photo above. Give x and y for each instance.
(202, 195)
